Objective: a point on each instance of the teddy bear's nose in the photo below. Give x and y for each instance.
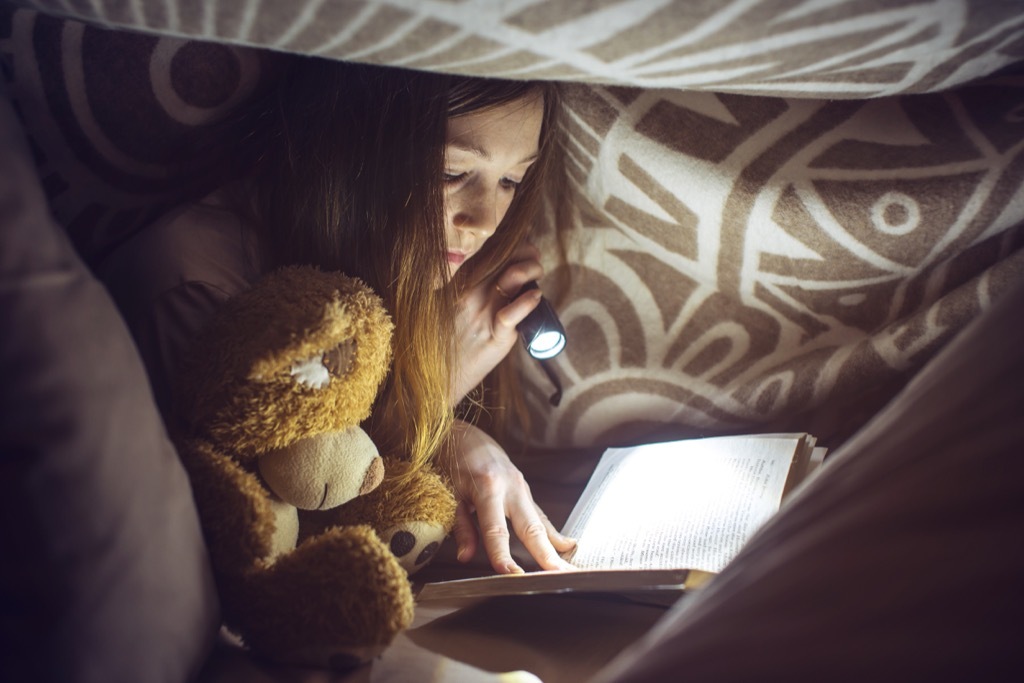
(374, 475)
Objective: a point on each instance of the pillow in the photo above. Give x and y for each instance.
(900, 561)
(103, 575)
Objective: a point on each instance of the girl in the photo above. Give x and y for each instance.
(422, 185)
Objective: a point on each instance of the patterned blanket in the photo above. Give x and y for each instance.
(784, 209)
(766, 263)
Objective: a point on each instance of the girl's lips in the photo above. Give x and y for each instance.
(455, 258)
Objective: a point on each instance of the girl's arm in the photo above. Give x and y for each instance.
(487, 483)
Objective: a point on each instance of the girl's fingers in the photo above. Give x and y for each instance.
(464, 531)
(490, 515)
(562, 543)
(508, 317)
(537, 534)
(517, 274)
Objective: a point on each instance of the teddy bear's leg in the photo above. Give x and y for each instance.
(337, 600)
(411, 514)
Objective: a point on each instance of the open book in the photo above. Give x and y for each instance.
(663, 516)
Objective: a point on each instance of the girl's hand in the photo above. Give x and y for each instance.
(485, 325)
(486, 482)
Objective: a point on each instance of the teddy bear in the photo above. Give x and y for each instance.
(312, 533)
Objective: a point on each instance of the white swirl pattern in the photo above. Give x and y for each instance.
(812, 48)
(187, 113)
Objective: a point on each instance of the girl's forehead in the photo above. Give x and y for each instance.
(511, 127)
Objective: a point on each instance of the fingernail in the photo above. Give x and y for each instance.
(513, 568)
(462, 555)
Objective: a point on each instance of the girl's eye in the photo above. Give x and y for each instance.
(453, 177)
(509, 184)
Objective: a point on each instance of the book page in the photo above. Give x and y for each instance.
(687, 504)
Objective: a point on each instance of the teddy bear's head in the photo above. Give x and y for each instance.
(271, 383)
(295, 367)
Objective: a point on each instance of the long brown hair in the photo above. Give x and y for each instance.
(346, 170)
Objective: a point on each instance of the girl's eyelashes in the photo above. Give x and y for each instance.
(451, 178)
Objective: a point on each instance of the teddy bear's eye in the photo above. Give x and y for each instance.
(338, 360)
(316, 372)
(310, 373)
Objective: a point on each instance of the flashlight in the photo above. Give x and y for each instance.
(541, 331)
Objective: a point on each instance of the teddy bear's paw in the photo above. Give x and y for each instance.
(414, 543)
(337, 600)
(325, 471)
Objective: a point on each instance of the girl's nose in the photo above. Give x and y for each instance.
(477, 211)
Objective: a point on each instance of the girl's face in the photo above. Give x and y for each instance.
(486, 156)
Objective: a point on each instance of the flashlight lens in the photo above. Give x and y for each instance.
(547, 344)
(541, 332)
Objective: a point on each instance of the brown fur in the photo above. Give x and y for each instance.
(340, 592)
